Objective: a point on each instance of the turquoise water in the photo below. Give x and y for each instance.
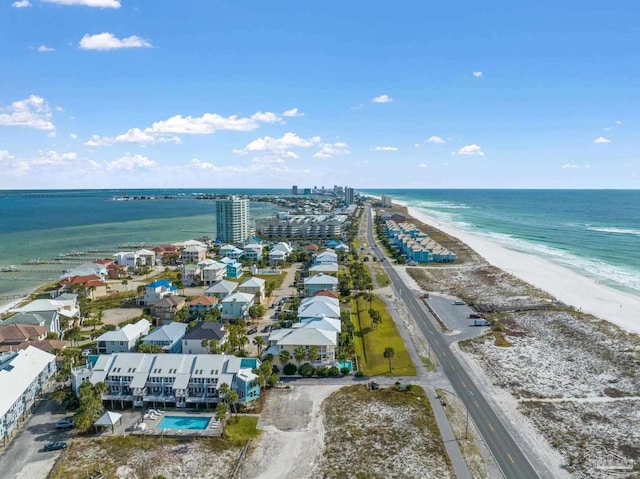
(345, 364)
(596, 233)
(184, 422)
(46, 224)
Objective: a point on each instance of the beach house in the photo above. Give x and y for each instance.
(317, 307)
(236, 306)
(213, 272)
(157, 290)
(255, 286)
(191, 274)
(123, 339)
(165, 309)
(230, 251)
(201, 305)
(24, 376)
(198, 338)
(169, 380)
(279, 253)
(168, 337)
(234, 270)
(319, 282)
(289, 339)
(221, 289)
(253, 252)
(194, 254)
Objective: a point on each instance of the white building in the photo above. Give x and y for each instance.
(255, 286)
(237, 305)
(232, 219)
(213, 272)
(24, 375)
(122, 340)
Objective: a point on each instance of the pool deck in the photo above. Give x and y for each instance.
(213, 430)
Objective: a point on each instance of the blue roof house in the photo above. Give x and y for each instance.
(234, 270)
(168, 337)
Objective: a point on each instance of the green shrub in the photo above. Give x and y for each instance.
(334, 371)
(345, 371)
(322, 371)
(275, 369)
(358, 374)
(290, 369)
(306, 370)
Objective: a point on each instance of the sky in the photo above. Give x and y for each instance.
(416, 94)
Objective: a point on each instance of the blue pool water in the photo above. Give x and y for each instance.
(184, 422)
(345, 364)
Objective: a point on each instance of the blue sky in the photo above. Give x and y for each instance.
(161, 93)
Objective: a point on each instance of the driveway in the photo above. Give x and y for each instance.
(455, 317)
(23, 457)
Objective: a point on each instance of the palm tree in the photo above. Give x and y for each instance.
(223, 390)
(259, 342)
(313, 352)
(389, 353)
(125, 282)
(285, 356)
(299, 354)
(232, 399)
(221, 414)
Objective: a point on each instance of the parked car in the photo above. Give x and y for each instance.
(252, 330)
(65, 423)
(481, 322)
(459, 302)
(86, 352)
(475, 316)
(266, 329)
(55, 446)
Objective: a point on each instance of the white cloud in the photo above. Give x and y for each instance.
(382, 99)
(384, 148)
(5, 156)
(435, 139)
(54, 158)
(417, 145)
(167, 131)
(51, 134)
(87, 3)
(73, 136)
(608, 129)
(293, 112)
(618, 122)
(470, 150)
(266, 117)
(357, 107)
(422, 165)
(602, 139)
(130, 162)
(288, 141)
(567, 166)
(33, 112)
(203, 125)
(108, 41)
(21, 4)
(45, 49)
(329, 150)
(478, 74)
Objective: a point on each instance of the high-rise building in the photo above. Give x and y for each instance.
(385, 200)
(232, 219)
(294, 190)
(349, 194)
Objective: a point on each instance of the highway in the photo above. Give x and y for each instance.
(507, 454)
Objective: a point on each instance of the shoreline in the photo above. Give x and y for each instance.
(584, 294)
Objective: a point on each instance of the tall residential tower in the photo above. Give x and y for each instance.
(232, 219)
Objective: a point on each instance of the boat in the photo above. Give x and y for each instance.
(11, 267)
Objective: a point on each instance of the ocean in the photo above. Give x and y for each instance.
(40, 229)
(595, 233)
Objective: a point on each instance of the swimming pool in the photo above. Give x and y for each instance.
(184, 422)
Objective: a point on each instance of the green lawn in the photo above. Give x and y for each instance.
(371, 343)
(242, 428)
(381, 276)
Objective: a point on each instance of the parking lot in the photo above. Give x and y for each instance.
(455, 317)
(24, 457)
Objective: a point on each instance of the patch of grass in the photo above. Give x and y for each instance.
(242, 428)
(500, 340)
(371, 341)
(381, 276)
(428, 364)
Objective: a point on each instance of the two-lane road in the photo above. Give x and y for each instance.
(508, 455)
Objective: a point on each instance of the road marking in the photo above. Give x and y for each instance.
(453, 367)
(476, 403)
(462, 382)
(491, 427)
(510, 458)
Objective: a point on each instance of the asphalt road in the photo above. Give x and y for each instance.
(508, 455)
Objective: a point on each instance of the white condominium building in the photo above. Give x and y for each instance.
(232, 219)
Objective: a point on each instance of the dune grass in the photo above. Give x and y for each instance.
(371, 341)
(242, 428)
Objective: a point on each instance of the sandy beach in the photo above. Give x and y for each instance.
(567, 286)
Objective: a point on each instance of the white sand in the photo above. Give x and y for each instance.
(566, 285)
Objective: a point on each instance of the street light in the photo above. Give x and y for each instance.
(466, 426)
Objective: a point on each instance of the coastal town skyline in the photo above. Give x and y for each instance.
(113, 94)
